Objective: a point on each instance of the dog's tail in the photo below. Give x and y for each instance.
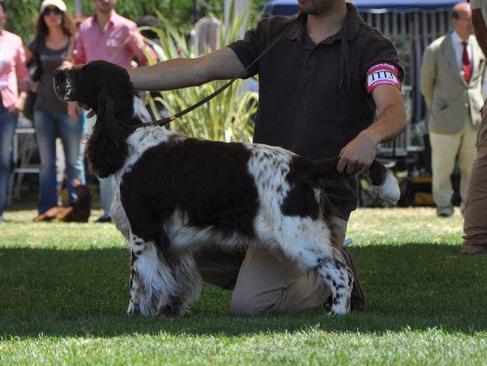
(383, 180)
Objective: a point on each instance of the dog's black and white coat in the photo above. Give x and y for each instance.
(179, 193)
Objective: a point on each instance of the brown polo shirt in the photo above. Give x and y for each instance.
(312, 97)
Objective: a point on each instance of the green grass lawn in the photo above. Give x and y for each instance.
(64, 292)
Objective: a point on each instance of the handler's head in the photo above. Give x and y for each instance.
(317, 7)
(104, 6)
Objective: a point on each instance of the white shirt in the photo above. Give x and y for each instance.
(458, 48)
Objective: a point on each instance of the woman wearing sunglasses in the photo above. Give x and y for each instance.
(51, 46)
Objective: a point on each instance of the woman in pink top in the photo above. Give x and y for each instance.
(13, 73)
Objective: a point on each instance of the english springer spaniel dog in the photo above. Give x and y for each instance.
(177, 194)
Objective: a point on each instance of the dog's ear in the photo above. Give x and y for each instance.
(122, 92)
(107, 147)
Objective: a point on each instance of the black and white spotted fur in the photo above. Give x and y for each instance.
(177, 194)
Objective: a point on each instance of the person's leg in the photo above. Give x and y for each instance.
(70, 133)
(8, 122)
(475, 224)
(267, 283)
(107, 193)
(80, 163)
(466, 156)
(444, 150)
(46, 132)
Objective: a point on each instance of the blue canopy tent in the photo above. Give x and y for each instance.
(290, 7)
(412, 25)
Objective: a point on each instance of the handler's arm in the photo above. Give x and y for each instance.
(360, 152)
(179, 73)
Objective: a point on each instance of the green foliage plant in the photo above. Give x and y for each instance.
(228, 117)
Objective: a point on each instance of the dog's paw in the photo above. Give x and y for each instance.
(338, 312)
(174, 309)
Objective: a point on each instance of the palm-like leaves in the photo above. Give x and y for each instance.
(227, 117)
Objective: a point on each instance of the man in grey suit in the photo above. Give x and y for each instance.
(451, 82)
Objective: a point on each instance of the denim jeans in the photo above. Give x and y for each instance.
(48, 127)
(108, 187)
(8, 123)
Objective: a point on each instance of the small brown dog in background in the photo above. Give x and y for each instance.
(77, 211)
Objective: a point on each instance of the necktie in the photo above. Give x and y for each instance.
(466, 65)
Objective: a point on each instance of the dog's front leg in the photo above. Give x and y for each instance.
(152, 283)
(189, 283)
(314, 252)
(134, 307)
(136, 285)
(137, 248)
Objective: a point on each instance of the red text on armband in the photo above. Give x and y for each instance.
(382, 74)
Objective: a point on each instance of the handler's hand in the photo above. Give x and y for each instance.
(358, 154)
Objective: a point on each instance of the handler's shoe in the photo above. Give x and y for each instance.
(357, 301)
(471, 249)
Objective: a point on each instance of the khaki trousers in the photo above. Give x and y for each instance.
(475, 224)
(444, 150)
(265, 282)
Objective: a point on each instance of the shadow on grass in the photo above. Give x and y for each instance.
(85, 293)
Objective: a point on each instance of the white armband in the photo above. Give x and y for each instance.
(382, 74)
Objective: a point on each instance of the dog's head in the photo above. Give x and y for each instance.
(106, 89)
(95, 84)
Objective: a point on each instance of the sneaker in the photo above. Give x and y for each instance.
(444, 211)
(103, 219)
(357, 301)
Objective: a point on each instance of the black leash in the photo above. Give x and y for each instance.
(165, 121)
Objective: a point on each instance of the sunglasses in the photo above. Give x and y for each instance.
(55, 11)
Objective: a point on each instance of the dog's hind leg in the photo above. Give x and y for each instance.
(152, 282)
(339, 279)
(307, 242)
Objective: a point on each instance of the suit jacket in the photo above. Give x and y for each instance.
(449, 98)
